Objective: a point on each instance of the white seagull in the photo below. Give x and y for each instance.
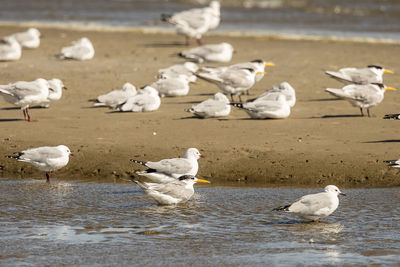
(10, 50)
(218, 106)
(26, 94)
(147, 99)
(362, 96)
(188, 69)
(284, 88)
(315, 206)
(193, 23)
(233, 81)
(173, 86)
(277, 108)
(168, 170)
(178, 191)
(116, 97)
(213, 52)
(81, 49)
(45, 158)
(29, 38)
(370, 74)
(55, 91)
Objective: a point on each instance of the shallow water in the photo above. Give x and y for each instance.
(349, 19)
(104, 224)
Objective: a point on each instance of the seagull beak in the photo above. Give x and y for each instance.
(390, 89)
(269, 64)
(388, 71)
(202, 156)
(203, 181)
(341, 193)
(260, 72)
(71, 154)
(51, 89)
(65, 88)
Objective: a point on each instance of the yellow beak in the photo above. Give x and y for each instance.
(390, 89)
(388, 71)
(269, 64)
(203, 181)
(260, 72)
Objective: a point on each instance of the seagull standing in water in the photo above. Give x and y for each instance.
(174, 192)
(45, 158)
(315, 206)
(362, 96)
(167, 170)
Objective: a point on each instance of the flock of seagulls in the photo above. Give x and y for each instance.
(172, 179)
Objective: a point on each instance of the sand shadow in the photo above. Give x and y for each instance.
(338, 116)
(291, 222)
(137, 191)
(189, 102)
(383, 141)
(9, 120)
(163, 45)
(323, 99)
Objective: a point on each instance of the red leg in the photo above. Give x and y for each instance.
(199, 42)
(48, 177)
(24, 111)
(29, 117)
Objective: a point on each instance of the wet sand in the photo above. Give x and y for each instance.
(324, 141)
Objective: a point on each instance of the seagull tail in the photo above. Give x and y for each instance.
(142, 185)
(282, 208)
(391, 162)
(15, 156)
(139, 162)
(336, 92)
(238, 105)
(166, 17)
(5, 92)
(338, 76)
(190, 110)
(392, 116)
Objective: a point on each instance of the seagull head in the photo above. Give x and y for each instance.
(333, 189)
(190, 179)
(34, 32)
(378, 70)
(65, 149)
(193, 153)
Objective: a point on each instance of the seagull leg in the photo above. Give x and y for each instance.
(187, 43)
(24, 111)
(29, 117)
(362, 113)
(369, 116)
(199, 41)
(48, 177)
(232, 98)
(247, 92)
(240, 99)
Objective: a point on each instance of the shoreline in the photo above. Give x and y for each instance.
(103, 27)
(322, 142)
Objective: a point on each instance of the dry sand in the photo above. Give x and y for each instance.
(322, 142)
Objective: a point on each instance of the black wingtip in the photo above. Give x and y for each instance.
(165, 17)
(392, 117)
(238, 105)
(282, 208)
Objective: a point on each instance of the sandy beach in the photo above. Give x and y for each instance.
(324, 141)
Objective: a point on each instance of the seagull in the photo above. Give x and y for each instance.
(218, 106)
(393, 163)
(29, 38)
(175, 86)
(284, 88)
(178, 191)
(45, 158)
(146, 100)
(55, 91)
(233, 81)
(315, 206)
(116, 97)
(162, 171)
(25, 94)
(362, 96)
(277, 108)
(81, 49)
(392, 116)
(258, 65)
(10, 50)
(193, 23)
(370, 74)
(213, 52)
(188, 69)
